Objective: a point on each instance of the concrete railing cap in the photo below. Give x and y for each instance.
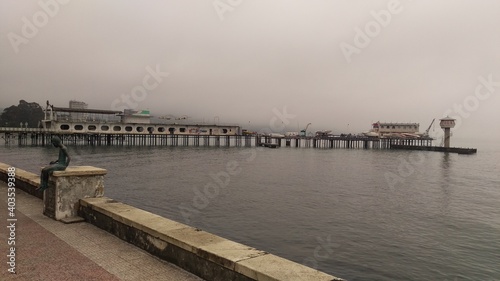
(80, 171)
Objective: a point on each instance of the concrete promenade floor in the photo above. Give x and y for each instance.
(50, 250)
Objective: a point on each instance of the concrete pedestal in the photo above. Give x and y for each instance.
(66, 188)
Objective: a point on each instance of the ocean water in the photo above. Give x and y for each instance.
(356, 214)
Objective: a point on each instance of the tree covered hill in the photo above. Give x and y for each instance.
(25, 112)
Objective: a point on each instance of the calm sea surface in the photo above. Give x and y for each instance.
(356, 214)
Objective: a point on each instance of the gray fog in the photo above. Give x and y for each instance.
(339, 65)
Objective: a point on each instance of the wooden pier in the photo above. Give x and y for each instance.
(37, 137)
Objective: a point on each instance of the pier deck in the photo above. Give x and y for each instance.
(42, 137)
(458, 150)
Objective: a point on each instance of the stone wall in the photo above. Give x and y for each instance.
(204, 254)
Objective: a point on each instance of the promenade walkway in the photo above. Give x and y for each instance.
(50, 250)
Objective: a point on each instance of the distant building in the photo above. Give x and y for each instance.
(79, 119)
(383, 129)
(389, 128)
(73, 104)
(78, 104)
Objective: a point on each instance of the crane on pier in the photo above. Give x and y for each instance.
(426, 133)
(303, 132)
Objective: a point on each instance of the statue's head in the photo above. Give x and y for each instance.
(56, 141)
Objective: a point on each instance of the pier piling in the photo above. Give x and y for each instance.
(41, 137)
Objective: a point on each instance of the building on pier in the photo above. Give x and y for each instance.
(61, 120)
(394, 130)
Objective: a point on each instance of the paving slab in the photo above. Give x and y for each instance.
(50, 250)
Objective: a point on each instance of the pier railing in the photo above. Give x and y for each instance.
(23, 130)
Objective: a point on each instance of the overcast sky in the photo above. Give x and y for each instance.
(339, 65)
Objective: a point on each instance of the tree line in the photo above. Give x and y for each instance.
(30, 113)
